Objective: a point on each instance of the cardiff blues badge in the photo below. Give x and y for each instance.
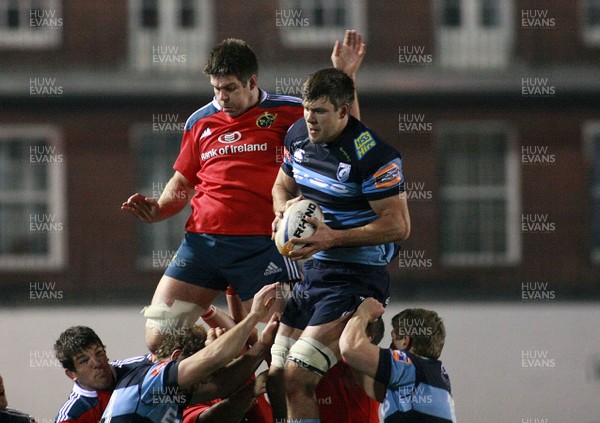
(343, 172)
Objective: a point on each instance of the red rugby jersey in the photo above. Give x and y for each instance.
(341, 399)
(233, 163)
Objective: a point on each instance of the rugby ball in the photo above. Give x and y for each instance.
(294, 225)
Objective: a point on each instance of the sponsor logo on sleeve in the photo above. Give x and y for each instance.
(388, 176)
(363, 144)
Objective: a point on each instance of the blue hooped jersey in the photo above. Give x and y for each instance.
(418, 389)
(343, 176)
(149, 394)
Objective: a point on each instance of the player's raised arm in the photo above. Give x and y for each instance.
(225, 348)
(355, 347)
(347, 57)
(173, 199)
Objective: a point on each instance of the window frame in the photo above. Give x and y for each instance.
(56, 258)
(589, 34)
(471, 45)
(591, 130)
(26, 36)
(311, 36)
(159, 233)
(194, 42)
(511, 195)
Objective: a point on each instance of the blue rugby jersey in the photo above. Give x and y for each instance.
(149, 394)
(418, 389)
(343, 176)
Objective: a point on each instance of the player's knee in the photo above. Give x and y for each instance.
(309, 355)
(162, 319)
(279, 352)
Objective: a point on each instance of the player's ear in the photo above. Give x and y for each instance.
(344, 111)
(176, 354)
(253, 81)
(71, 375)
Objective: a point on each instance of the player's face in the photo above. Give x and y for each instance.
(92, 370)
(323, 122)
(3, 400)
(233, 96)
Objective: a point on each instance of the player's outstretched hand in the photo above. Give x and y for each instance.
(264, 299)
(322, 239)
(370, 309)
(349, 55)
(144, 208)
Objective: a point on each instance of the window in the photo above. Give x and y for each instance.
(479, 188)
(319, 22)
(155, 149)
(30, 24)
(33, 220)
(592, 142)
(474, 34)
(591, 21)
(170, 35)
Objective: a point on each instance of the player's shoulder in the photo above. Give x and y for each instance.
(297, 134)
(269, 100)
(77, 405)
(202, 113)
(366, 144)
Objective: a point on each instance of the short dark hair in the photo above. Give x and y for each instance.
(188, 340)
(375, 330)
(424, 327)
(232, 57)
(330, 83)
(74, 341)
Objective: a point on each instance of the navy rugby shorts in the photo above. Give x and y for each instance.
(245, 262)
(331, 290)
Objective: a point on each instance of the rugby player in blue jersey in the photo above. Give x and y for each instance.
(418, 386)
(357, 179)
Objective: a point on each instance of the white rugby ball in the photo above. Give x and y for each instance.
(294, 225)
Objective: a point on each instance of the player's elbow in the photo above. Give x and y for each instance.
(401, 231)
